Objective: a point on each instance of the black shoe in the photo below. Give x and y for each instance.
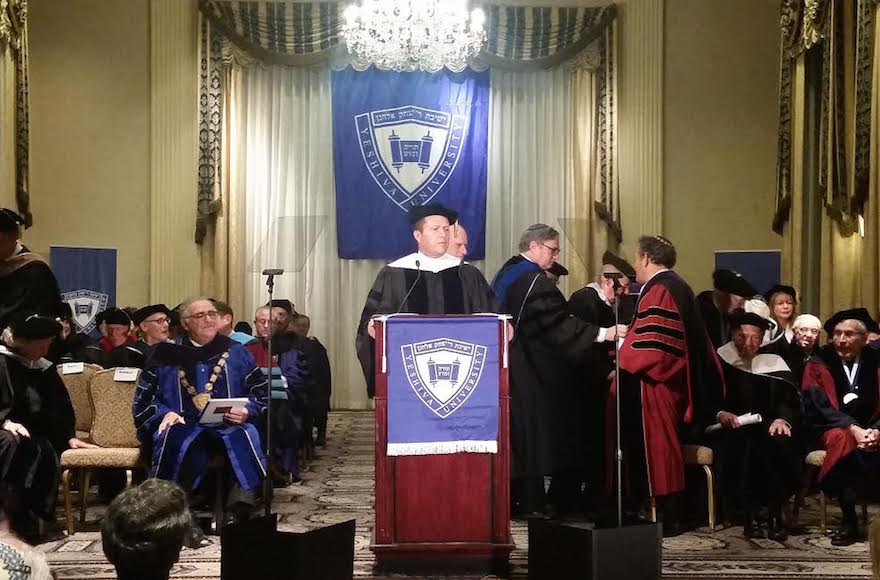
(237, 512)
(195, 537)
(776, 529)
(846, 536)
(751, 527)
(672, 529)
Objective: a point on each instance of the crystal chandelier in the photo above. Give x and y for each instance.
(408, 35)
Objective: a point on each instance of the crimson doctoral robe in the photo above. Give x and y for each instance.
(671, 384)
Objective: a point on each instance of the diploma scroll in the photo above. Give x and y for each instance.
(747, 419)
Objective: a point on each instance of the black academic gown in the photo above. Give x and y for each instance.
(134, 355)
(319, 383)
(831, 411)
(27, 282)
(547, 415)
(83, 348)
(717, 323)
(793, 355)
(587, 305)
(458, 288)
(754, 468)
(37, 399)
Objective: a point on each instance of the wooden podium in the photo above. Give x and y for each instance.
(442, 510)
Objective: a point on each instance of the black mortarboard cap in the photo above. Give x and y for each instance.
(558, 270)
(740, 317)
(420, 212)
(113, 316)
(733, 282)
(64, 311)
(622, 265)
(29, 325)
(147, 311)
(860, 314)
(282, 303)
(781, 289)
(9, 220)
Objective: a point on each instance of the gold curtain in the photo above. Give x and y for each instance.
(792, 232)
(870, 262)
(596, 202)
(7, 128)
(849, 254)
(846, 278)
(223, 262)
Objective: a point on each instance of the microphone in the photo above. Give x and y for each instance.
(412, 286)
(615, 278)
(273, 271)
(460, 264)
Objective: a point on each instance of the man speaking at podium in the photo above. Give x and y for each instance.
(428, 281)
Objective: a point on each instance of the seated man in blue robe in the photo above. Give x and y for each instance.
(172, 393)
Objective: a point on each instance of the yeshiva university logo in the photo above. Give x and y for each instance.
(411, 152)
(86, 304)
(443, 372)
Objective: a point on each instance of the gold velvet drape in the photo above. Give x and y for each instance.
(844, 166)
(14, 107)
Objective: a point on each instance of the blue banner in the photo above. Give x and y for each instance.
(442, 385)
(407, 139)
(762, 268)
(87, 279)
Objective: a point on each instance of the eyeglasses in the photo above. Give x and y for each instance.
(163, 320)
(807, 331)
(210, 315)
(553, 250)
(847, 333)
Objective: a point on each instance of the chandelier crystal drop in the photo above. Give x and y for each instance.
(409, 35)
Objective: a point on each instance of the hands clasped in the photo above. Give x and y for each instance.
(866, 439)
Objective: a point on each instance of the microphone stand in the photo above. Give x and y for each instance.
(618, 456)
(268, 490)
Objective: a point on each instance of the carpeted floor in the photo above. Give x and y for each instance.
(338, 486)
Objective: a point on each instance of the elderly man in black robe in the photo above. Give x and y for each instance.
(36, 417)
(151, 323)
(26, 281)
(428, 281)
(798, 352)
(731, 290)
(757, 463)
(841, 390)
(548, 419)
(594, 304)
(321, 378)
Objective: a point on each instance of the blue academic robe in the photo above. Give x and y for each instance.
(184, 451)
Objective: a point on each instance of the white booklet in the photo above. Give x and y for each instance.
(213, 413)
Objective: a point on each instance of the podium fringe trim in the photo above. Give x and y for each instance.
(442, 448)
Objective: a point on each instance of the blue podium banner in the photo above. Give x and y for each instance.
(442, 385)
(87, 279)
(402, 140)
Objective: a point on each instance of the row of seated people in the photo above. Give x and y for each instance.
(129, 337)
(809, 396)
(178, 381)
